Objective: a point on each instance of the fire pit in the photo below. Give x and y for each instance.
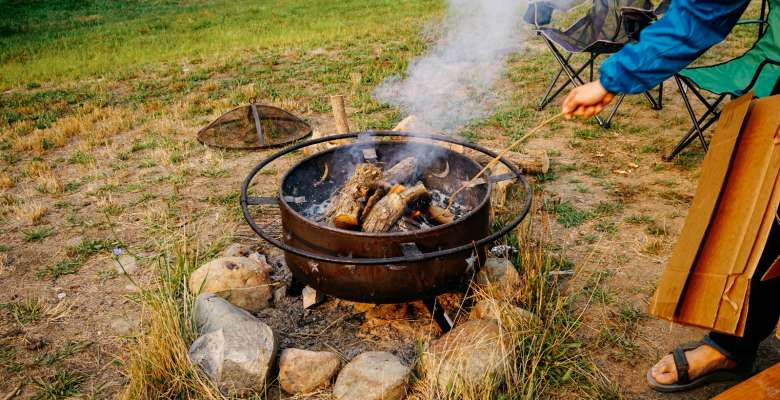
(384, 267)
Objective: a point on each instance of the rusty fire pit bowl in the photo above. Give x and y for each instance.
(381, 267)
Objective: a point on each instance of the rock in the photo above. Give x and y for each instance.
(125, 264)
(240, 280)
(490, 309)
(374, 375)
(498, 271)
(237, 250)
(303, 371)
(213, 313)
(468, 356)
(238, 358)
(312, 297)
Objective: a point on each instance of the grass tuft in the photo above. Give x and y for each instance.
(62, 385)
(543, 357)
(158, 365)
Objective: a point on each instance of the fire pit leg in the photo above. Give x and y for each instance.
(439, 315)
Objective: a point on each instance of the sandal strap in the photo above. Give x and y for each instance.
(681, 364)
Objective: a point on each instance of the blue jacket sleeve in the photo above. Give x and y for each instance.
(685, 32)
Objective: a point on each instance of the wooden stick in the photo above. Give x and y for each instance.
(339, 113)
(497, 158)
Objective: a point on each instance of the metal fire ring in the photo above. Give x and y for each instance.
(388, 260)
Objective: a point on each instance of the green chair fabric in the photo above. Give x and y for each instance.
(758, 69)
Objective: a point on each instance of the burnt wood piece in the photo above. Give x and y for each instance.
(379, 192)
(391, 207)
(440, 215)
(345, 210)
(403, 171)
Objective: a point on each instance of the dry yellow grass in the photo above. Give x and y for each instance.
(30, 213)
(48, 183)
(90, 125)
(158, 367)
(6, 181)
(540, 353)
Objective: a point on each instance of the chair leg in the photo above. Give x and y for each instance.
(546, 99)
(574, 76)
(689, 137)
(608, 122)
(697, 130)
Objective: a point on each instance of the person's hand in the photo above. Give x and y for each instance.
(587, 100)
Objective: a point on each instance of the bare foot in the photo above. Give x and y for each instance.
(701, 360)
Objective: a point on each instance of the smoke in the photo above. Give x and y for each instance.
(454, 82)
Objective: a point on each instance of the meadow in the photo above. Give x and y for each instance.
(100, 102)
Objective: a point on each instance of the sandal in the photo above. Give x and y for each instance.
(741, 371)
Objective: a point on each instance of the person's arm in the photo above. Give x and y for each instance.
(685, 32)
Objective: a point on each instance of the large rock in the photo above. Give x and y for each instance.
(467, 358)
(236, 350)
(237, 250)
(213, 312)
(375, 375)
(498, 271)
(498, 310)
(240, 280)
(303, 371)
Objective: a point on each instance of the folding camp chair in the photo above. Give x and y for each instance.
(758, 69)
(599, 32)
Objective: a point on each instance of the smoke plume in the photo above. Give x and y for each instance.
(453, 83)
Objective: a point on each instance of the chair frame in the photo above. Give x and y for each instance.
(574, 79)
(711, 115)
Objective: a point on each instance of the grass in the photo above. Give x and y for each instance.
(61, 385)
(543, 357)
(27, 311)
(37, 234)
(48, 40)
(69, 349)
(566, 213)
(158, 366)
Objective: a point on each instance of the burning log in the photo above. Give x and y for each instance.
(391, 207)
(379, 192)
(440, 215)
(403, 171)
(346, 208)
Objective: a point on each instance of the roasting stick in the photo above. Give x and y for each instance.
(497, 158)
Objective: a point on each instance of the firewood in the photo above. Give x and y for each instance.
(530, 162)
(391, 207)
(379, 192)
(403, 171)
(316, 134)
(346, 208)
(339, 113)
(440, 215)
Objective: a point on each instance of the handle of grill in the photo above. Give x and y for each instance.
(514, 173)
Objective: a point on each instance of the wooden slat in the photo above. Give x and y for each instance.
(764, 386)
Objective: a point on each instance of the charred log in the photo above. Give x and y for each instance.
(404, 171)
(346, 208)
(392, 206)
(440, 215)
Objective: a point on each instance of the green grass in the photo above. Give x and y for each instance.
(70, 39)
(566, 213)
(37, 234)
(27, 311)
(55, 356)
(61, 385)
